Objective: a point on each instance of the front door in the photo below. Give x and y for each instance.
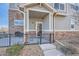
(38, 28)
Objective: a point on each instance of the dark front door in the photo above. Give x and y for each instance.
(39, 29)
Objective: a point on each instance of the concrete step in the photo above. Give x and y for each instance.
(53, 52)
(50, 50)
(47, 46)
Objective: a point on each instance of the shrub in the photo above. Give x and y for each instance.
(66, 51)
(14, 50)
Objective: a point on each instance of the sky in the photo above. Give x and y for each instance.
(4, 14)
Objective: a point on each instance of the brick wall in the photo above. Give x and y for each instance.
(67, 35)
(12, 27)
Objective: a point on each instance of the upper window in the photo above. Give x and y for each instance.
(75, 7)
(59, 6)
(56, 5)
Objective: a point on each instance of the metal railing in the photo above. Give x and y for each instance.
(39, 39)
(11, 39)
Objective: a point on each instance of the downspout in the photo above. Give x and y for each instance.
(24, 23)
(53, 26)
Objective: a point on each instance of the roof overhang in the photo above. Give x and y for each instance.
(41, 4)
(61, 14)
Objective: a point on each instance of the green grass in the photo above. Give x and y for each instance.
(14, 50)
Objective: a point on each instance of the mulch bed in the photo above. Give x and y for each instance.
(3, 51)
(31, 50)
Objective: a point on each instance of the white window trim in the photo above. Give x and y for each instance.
(73, 8)
(59, 7)
(15, 24)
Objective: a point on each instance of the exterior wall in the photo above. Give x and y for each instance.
(62, 23)
(32, 23)
(13, 28)
(60, 11)
(45, 23)
(66, 35)
(77, 24)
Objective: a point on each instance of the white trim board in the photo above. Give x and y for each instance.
(44, 11)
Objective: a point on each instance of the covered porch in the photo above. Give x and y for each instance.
(37, 26)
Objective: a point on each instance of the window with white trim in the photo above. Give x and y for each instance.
(74, 7)
(18, 22)
(59, 6)
(72, 24)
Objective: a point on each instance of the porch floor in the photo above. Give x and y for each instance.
(38, 40)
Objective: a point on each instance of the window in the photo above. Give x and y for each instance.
(72, 24)
(75, 7)
(59, 6)
(18, 22)
(56, 5)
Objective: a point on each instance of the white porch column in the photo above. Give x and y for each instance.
(24, 28)
(26, 25)
(50, 22)
(27, 20)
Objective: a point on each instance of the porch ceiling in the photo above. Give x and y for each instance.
(36, 14)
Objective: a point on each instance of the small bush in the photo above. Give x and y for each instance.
(14, 50)
(66, 51)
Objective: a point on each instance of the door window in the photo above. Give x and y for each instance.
(72, 24)
(39, 29)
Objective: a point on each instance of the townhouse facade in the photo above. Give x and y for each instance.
(62, 19)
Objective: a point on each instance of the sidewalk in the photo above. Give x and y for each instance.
(50, 50)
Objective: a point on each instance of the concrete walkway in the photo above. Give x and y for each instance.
(50, 50)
